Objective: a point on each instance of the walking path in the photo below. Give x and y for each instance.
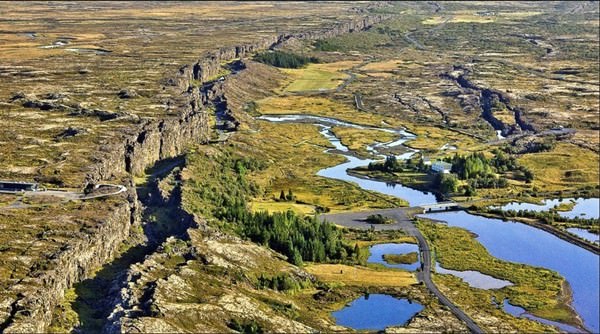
(65, 195)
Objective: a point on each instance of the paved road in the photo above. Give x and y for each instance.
(403, 222)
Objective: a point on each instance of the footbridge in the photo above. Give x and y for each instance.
(441, 206)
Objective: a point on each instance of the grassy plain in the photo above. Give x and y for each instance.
(401, 258)
(361, 276)
(320, 106)
(315, 77)
(273, 206)
(566, 166)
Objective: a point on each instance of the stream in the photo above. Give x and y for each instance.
(506, 240)
(413, 196)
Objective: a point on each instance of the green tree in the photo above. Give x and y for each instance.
(297, 258)
(448, 183)
(357, 252)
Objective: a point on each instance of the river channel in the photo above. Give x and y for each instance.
(506, 240)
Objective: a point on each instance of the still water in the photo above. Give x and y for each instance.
(376, 312)
(377, 252)
(584, 207)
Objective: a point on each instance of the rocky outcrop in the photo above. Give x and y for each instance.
(206, 289)
(32, 312)
(147, 141)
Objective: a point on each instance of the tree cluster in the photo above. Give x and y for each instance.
(378, 219)
(446, 183)
(480, 171)
(289, 197)
(471, 166)
(488, 182)
(247, 327)
(281, 282)
(299, 238)
(390, 165)
(284, 59)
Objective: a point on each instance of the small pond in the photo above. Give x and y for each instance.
(475, 279)
(377, 252)
(376, 312)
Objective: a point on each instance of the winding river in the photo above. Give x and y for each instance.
(506, 240)
(414, 197)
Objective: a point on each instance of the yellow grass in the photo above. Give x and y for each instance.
(460, 19)
(382, 66)
(505, 116)
(399, 240)
(384, 75)
(272, 206)
(566, 165)
(360, 276)
(468, 17)
(318, 76)
(433, 138)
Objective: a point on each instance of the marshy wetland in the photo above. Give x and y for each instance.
(279, 167)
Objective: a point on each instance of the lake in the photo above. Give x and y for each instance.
(376, 312)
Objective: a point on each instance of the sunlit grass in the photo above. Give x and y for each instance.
(361, 276)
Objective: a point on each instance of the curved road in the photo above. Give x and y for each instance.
(403, 222)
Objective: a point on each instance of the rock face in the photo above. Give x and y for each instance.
(73, 263)
(146, 143)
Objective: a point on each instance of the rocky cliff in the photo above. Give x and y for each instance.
(147, 142)
(75, 261)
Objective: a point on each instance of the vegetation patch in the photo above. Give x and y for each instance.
(321, 107)
(408, 258)
(379, 219)
(357, 140)
(316, 77)
(275, 206)
(554, 170)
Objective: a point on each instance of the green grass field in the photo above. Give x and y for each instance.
(317, 76)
